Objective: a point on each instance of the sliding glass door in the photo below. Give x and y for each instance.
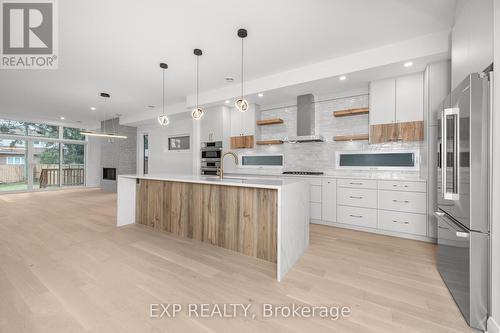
(73, 165)
(45, 164)
(13, 165)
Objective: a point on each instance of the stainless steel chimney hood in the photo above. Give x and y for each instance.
(306, 116)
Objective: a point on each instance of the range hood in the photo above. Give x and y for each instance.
(306, 115)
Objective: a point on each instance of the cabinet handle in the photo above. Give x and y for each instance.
(395, 185)
(356, 183)
(403, 201)
(356, 216)
(355, 197)
(404, 222)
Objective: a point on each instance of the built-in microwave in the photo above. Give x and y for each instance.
(211, 150)
(211, 154)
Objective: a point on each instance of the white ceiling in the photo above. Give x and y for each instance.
(116, 46)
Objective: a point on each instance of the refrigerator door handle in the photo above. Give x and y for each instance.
(454, 194)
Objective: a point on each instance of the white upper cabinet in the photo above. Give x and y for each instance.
(242, 123)
(410, 98)
(382, 101)
(397, 100)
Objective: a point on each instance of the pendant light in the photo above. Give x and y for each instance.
(242, 104)
(103, 133)
(163, 119)
(197, 112)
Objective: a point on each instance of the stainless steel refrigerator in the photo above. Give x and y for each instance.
(463, 178)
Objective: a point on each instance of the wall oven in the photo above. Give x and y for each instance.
(210, 157)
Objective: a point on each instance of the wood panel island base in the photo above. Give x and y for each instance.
(263, 218)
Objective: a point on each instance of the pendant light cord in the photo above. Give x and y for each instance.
(197, 81)
(163, 92)
(242, 79)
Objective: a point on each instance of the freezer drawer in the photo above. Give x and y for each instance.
(462, 263)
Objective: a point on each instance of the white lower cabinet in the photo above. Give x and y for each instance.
(407, 223)
(363, 217)
(357, 197)
(315, 210)
(412, 202)
(329, 197)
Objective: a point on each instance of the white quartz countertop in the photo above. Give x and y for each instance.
(229, 180)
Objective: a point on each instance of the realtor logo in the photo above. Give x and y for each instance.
(29, 34)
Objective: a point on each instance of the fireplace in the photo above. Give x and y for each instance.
(109, 173)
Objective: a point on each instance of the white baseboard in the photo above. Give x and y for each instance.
(493, 326)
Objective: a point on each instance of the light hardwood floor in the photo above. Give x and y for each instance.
(65, 267)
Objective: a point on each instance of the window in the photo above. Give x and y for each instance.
(377, 160)
(48, 131)
(70, 133)
(178, 142)
(14, 127)
(262, 161)
(15, 160)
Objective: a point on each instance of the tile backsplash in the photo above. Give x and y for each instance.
(321, 156)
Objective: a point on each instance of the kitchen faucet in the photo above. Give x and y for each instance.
(221, 169)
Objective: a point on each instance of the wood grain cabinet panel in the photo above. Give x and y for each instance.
(242, 142)
(241, 219)
(404, 132)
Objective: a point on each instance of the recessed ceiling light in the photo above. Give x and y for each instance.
(62, 118)
(227, 102)
(93, 108)
(343, 78)
(229, 79)
(408, 64)
(260, 95)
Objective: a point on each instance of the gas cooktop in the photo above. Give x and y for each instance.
(304, 173)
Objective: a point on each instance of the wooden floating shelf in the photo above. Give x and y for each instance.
(270, 142)
(351, 112)
(269, 121)
(357, 137)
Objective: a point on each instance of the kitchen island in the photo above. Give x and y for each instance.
(264, 218)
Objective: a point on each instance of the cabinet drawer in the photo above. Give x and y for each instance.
(357, 183)
(410, 202)
(315, 210)
(364, 217)
(357, 197)
(402, 186)
(315, 193)
(407, 223)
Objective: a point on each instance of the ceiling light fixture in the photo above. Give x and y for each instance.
(408, 64)
(241, 103)
(343, 78)
(163, 119)
(197, 112)
(103, 133)
(92, 108)
(227, 101)
(260, 94)
(62, 118)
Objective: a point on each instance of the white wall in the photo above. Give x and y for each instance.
(161, 160)
(472, 39)
(93, 161)
(493, 323)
